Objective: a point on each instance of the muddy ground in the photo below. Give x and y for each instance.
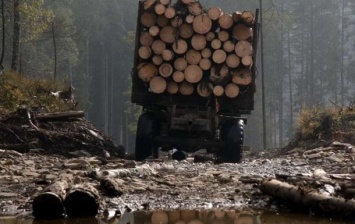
(40, 150)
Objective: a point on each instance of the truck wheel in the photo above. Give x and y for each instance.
(148, 127)
(232, 135)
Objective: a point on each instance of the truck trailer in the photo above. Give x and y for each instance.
(194, 76)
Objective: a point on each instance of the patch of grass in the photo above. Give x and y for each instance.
(18, 90)
(325, 125)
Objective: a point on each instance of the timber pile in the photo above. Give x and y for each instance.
(65, 133)
(330, 188)
(185, 49)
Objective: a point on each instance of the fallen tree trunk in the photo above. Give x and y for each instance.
(60, 116)
(82, 201)
(49, 204)
(293, 194)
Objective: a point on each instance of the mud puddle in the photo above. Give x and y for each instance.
(187, 217)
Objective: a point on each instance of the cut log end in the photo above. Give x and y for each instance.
(82, 202)
(193, 74)
(147, 71)
(232, 90)
(165, 70)
(180, 64)
(158, 85)
(242, 32)
(178, 76)
(148, 19)
(226, 21)
(186, 89)
(214, 13)
(159, 9)
(173, 88)
(218, 90)
(219, 56)
(242, 77)
(205, 89)
(48, 205)
(202, 24)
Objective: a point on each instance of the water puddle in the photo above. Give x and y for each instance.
(187, 217)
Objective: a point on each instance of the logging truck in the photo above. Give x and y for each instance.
(194, 76)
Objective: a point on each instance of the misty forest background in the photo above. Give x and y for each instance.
(309, 57)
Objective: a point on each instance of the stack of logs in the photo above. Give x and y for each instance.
(184, 50)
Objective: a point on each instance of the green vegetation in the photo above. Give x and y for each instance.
(17, 90)
(325, 125)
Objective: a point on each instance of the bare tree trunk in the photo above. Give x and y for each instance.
(342, 54)
(281, 85)
(55, 52)
(3, 33)
(290, 81)
(311, 79)
(16, 38)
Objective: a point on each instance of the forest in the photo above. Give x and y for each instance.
(308, 58)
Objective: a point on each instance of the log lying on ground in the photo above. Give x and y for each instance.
(293, 194)
(82, 201)
(111, 186)
(49, 204)
(60, 116)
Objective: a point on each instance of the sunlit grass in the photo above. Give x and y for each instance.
(17, 90)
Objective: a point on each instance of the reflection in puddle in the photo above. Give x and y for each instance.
(186, 217)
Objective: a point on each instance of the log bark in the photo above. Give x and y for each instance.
(223, 36)
(225, 21)
(186, 31)
(242, 77)
(162, 21)
(180, 64)
(165, 70)
(216, 44)
(242, 32)
(198, 42)
(170, 13)
(168, 55)
(186, 89)
(206, 53)
(173, 88)
(180, 46)
(148, 19)
(233, 61)
(214, 13)
(202, 24)
(218, 90)
(193, 74)
(219, 74)
(195, 8)
(247, 61)
(158, 85)
(147, 71)
(305, 197)
(153, 31)
(243, 48)
(178, 76)
(210, 36)
(219, 56)
(248, 18)
(232, 90)
(168, 34)
(82, 201)
(158, 47)
(146, 39)
(144, 52)
(205, 89)
(60, 116)
(228, 46)
(193, 57)
(157, 60)
(111, 187)
(149, 4)
(205, 64)
(159, 9)
(49, 204)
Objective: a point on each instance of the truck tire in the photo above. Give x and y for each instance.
(148, 127)
(232, 135)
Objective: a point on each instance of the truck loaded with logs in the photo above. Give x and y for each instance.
(194, 75)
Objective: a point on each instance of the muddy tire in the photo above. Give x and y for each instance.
(148, 127)
(232, 135)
